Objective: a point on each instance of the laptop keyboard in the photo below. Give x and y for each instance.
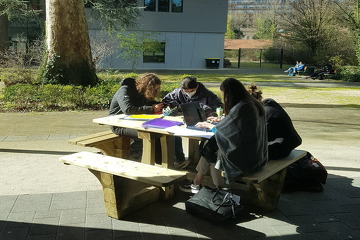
(199, 128)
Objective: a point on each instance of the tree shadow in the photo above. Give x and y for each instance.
(331, 214)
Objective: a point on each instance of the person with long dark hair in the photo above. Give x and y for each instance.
(239, 146)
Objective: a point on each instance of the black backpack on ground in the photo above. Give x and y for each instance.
(306, 174)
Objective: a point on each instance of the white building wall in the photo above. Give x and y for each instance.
(190, 37)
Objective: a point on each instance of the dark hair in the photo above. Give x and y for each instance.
(189, 82)
(234, 92)
(254, 91)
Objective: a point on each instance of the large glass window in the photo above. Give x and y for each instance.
(164, 6)
(177, 5)
(150, 5)
(157, 56)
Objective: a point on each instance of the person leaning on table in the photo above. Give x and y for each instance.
(190, 91)
(240, 145)
(282, 136)
(136, 96)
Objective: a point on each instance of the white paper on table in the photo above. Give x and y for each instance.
(185, 132)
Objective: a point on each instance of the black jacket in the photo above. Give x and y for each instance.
(279, 125)
(207, 99)
(128, 100)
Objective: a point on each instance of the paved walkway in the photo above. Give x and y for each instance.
(41, 198)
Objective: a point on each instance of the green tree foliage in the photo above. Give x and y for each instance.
(114, 14)
(17, 9)
(235, 23)
(351, 12)
(230, 34)
(312, 24)
(265, 29)
(133, 44)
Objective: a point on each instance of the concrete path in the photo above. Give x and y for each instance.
(41, 198)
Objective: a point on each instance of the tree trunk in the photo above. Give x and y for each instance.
(68, 57)
(4, 33)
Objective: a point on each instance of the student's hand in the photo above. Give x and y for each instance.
(205, 125)
(213, 119)
(158, 107)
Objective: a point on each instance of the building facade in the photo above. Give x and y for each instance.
(252, 6)
(190, 32)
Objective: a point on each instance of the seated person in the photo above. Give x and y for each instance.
(282, 136)
(136, 97)
(298, 67)
(239, 145)
(326, 69)
(191, 90)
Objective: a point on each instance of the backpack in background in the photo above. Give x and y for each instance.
(306, 174)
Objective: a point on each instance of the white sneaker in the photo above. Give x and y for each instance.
(190, 188)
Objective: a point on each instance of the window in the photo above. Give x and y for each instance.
(177, 5)
(150, 5)
(163, 5)
(157, 56)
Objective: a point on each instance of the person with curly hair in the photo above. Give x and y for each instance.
(136, 96)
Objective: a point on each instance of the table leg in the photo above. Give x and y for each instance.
(167, 150)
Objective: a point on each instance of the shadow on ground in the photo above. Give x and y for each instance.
(331, 214)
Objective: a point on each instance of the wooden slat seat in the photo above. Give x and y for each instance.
(272, 167)
(127, 185)
(107, 142)
(263, 188)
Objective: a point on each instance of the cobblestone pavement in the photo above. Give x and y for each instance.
(42, 199)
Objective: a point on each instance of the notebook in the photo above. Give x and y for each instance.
(142, 117)
(193, 114)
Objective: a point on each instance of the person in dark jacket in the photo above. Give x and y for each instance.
(136, 97)
(190, 91)
(241, 138)
(326, 69)
(282, 136)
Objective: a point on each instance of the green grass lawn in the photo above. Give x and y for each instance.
(342, 97)
(299, 95)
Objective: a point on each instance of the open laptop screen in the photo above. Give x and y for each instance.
(193, 113)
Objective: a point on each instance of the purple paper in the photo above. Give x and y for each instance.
(160, 123)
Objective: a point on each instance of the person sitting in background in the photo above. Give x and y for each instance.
(282, 136)
(136, 97)
(326, 69)
(190, 90)
(239, 145)
(298, 67)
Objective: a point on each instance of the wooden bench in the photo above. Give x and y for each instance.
(107, 142)
(127, 185)
(119, 146)
(261, 189)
